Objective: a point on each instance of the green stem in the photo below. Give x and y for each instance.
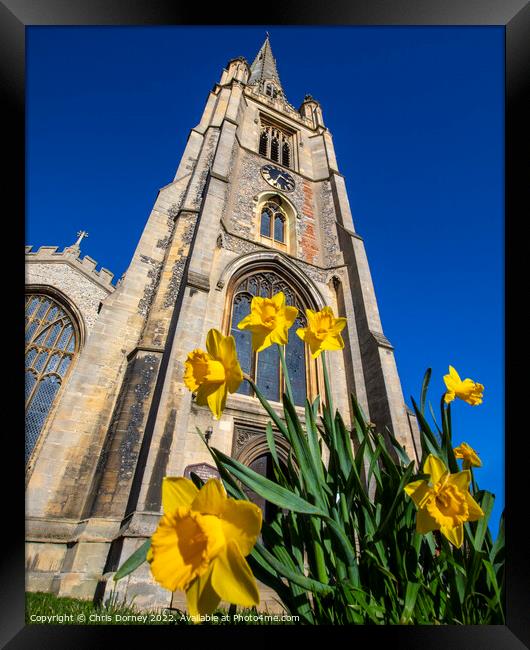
(319, 552)
(285, 373)
(329, 400)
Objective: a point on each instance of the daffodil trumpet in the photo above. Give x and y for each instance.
(444, 502)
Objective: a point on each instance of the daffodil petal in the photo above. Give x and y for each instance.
(310, 316)
(279, 299)
(214, 396)
(475, 511)
(217, 400)
(176, 492)
(454, 535)
(241, 521)
(232, 578)
(460, 480)
(453, 374)
(424, 522)
(243, 324)
(177, 551)
(435, 468)
(301, 333)
(201, 597)
(214, 342)
(333, 342)
(417, 491)
(290, 315)
(211, 498)
(235, 378)
(261, 339)
(339, 325)
(449, 397)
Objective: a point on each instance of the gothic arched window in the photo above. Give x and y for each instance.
(273, 221)
(52, 341)
(264, 367)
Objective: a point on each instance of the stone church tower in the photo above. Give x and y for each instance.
(257, 205)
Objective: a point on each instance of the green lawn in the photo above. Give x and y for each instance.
(47, 609)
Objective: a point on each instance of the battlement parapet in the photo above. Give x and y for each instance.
(71, 255)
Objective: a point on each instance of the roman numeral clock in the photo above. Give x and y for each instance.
(278, 178)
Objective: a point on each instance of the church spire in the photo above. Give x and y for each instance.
(264, 66)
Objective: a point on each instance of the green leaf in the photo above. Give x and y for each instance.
(275, 417)
(398, 498)
(486, 503)
(424, 387)
(411, 595)
(134, 561)
(308, 472)
(197, 480)
(495, 585)
(424, 426)
(312, 441)
(498, 547)
(267, 489)
(297, 578)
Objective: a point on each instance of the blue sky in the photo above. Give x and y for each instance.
(417, 118)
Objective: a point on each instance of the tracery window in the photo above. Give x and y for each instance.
(264, 367)
(52, 341)
(276, 144)
(273, 221)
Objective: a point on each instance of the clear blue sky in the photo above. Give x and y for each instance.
(417, 117)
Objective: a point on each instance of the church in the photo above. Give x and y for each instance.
(257, 205)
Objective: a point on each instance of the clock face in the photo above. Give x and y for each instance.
(278, 178)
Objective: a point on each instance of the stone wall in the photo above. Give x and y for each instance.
(76, 278)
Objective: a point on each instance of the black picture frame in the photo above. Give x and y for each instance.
(514, 15)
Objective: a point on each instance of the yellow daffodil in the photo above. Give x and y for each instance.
(468, 455)
(269, 320)
(444, 503)
(322, 331)
(214, 373)
(467, 390)
(201, 543)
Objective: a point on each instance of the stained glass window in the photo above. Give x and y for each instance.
(278, 227)
(264, 367)
(265, 223)
(51, 343)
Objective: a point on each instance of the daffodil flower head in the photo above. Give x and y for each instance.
(444, 502)
(201, 543)
(468, 390)
(322, 331)
(468, 455)
(214, 373)
(269, 321)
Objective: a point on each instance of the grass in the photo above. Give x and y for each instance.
(48, 609)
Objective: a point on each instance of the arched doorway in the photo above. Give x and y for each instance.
(251, 448)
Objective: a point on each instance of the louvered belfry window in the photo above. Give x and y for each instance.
(276, 144)
(52, 341)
